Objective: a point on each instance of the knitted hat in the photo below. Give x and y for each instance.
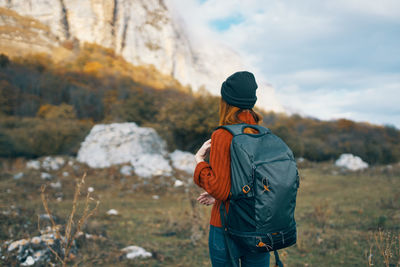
(239, 90)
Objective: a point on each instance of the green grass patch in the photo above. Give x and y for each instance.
(337, 214)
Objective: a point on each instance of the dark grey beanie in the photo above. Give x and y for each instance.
(239, 90)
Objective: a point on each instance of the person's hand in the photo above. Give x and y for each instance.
(206, 199)
(202, 153)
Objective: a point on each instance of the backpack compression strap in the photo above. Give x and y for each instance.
(278, 262)
(228, 241)
(236, 129)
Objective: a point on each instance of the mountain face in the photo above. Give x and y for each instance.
(142, 31)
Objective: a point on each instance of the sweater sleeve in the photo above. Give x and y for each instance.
(215, 176)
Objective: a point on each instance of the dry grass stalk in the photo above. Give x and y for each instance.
(70, 233)
(196, 216)
(386, 245)
(322, 213)
(369, 256)
(398, 250)
(382, 241)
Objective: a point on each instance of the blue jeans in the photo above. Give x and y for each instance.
(219, 253)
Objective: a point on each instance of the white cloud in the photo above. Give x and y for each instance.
(377, 105)
(388, 9)
(327, 59)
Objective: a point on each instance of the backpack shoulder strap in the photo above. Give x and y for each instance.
(237, 129)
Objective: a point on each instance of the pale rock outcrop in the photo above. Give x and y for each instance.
(144, 32)
(21, 33)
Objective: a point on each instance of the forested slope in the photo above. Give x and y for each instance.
(48, 107)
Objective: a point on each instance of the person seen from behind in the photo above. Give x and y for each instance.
(238, 97)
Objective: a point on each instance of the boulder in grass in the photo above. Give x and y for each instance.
(149, 165)
(178, 183)
(37, 250)
(119, 143)
(29, 261)
(133, 252)
(126, 170)
(52, 163)
(112, 212)
(351, 162)
(18, 175)
(33, 164)
(56, 185)
(183, 161)
(47, 163)
(46, 176)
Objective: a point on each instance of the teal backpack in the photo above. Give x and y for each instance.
(264, 183)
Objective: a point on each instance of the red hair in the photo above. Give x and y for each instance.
(228, 115)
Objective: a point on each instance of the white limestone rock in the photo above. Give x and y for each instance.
(18, 176)
(126, 170)
(183, 161)
(133, 252)
(351, 162)
(148, 165)
(17, 244)
(38, 249)
(144, 32)
(56, 185)
(52, 163)
(25, 34)
(28, 262)
(300, 160)
(48, 163)
(178, 183)
(46, 176)
(112, 212)
(33, 164)
(118, 143)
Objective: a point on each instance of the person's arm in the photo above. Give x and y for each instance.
(215, 176)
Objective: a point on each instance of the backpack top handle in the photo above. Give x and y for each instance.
(237, 129)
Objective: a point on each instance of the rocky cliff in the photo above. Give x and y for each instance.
(142, 31)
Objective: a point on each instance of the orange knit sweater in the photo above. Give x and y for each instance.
(215, 177)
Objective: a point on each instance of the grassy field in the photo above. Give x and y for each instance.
(338, 216)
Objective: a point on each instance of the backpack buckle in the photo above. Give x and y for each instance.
(246, 189)
(265, 184)
(260, 244)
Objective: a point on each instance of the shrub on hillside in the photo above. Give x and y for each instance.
(98, 85)
(33, 137)
(140, 107)
(186, 125)
(4, 61)
(62, 112)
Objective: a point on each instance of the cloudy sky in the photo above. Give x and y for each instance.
(326, 59)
